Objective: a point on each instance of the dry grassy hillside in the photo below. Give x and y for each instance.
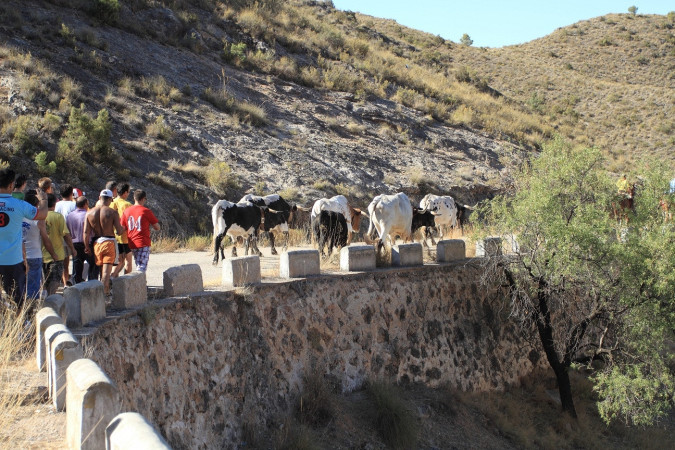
(608, 82)
(195, 100)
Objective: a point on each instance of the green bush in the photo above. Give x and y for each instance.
(44, 168)
(25, 134)
(85, 136)
(466, 40)
(107, 11)
(234, 52)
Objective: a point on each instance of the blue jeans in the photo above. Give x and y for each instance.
(34, 278)
(14, 281)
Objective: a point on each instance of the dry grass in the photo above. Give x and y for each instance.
(171, 244)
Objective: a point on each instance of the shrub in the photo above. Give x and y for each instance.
(24, 133)
(605, 42)
(85, 136)
(393, 421)
(250, 113)
(234, 52)
(107, 11)
(44, 168)
(632, 9)
(316, 405)
(466, 40)
(159, 129)
(219, 177)
(219, 98)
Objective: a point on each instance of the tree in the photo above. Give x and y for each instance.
(466, 40)
(595, 293)
(632, 9)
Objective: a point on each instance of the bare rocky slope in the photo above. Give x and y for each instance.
(312, 142)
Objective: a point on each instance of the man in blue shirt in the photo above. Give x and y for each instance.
(12, 213)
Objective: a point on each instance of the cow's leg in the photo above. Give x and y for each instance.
(287, 234)
(428, 231)
(323, 236)
(234, 249)
(217, 248)
(273, 250)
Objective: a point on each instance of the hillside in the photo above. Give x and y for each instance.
(203, 99)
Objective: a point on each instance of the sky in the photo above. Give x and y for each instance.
(496, 23)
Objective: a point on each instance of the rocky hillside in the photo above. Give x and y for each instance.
(195, 100)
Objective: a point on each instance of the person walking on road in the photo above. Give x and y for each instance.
(138, 220)
(100, 225)
(12, 213)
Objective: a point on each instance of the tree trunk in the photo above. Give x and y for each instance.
(545, 329)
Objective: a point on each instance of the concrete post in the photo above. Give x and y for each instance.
(85, 303)
(407, 255)
(357, 258)
(450, 250)
(57, 302)
(299, 263)
(185, 279)
(51, 334)
(491, 246)
(129, 290)
(131, 430)
(44, 318)
(91, 403)
(65, 350)
(241, 271)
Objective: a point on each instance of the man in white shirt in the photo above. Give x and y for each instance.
(65, 207)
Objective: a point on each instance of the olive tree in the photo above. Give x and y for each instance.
(597, 293)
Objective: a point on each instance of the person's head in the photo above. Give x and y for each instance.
(7, 177)
(623, 175)
(106, 196)
(123, 190)
(81, 202)
(67, 192)
(112, 187)
(51, 201)
(20, 182)
(45, 184)
(31, 197)
(139, 196)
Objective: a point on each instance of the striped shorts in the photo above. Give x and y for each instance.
(141, 258)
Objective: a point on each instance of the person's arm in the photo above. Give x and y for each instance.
(69, 242)
(119, 229)
(87, 236)
(155, 226)
(46, 242)
(42, 205)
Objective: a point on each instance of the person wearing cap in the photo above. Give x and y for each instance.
(57, 233)
(119, 204)
(12, 213)
(137, 220)
(100, 225)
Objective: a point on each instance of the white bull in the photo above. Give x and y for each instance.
(444, 209)
(391, 216)
(340, 205)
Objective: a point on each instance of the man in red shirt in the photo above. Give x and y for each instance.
(137, 220)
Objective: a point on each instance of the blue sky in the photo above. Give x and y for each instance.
(495, 23)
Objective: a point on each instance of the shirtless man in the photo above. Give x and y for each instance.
(101, 224)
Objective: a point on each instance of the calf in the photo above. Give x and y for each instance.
(236, 220)
(276, 203)
(330, 228)
(423, 218)
(339, 204)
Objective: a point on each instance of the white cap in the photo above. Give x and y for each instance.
(106, 193)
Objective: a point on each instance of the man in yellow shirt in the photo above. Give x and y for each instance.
(56, 232)
(623, 185)
(119, 204)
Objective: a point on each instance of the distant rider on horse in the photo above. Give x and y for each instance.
(623, 186)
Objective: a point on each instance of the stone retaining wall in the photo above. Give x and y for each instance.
(202, 366)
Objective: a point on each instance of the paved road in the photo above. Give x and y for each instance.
(159, 262)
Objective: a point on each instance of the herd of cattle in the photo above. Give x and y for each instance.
(333, 221)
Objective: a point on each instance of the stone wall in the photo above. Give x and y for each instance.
(202, 366)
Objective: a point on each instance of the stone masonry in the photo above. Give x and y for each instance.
(201, 367)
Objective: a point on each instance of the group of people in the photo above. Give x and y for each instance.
(39, 235)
